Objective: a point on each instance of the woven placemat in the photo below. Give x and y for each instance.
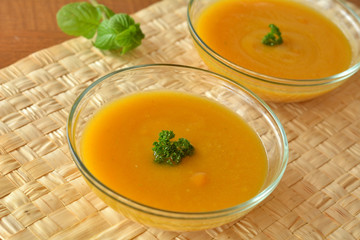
(43, 195)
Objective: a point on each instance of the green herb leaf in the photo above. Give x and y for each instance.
(114, 31)
(130, 38)
(102, 9)
(120, 31)
(121, 21)
(274, 37)
(106, 36)
(169, 152)
(79, 19)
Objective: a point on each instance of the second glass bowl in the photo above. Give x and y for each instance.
(280, 89)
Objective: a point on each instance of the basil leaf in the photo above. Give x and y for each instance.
(106, 35)
(104, 9)
(125, 37)
(79, 19)
(130, 38)
(120, 31)
(121, 22)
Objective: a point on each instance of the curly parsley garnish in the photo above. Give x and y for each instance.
(171, 152)
(273, 37)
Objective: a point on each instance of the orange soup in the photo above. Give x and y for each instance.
(313, 46)
(228, 167)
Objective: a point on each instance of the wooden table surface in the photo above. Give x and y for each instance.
(27, 26)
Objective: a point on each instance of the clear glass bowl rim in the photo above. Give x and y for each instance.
(166, 213)
(269, 79)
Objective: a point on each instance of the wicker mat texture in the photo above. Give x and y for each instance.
(43, 195)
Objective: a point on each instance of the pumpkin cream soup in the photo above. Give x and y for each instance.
(228, 165)
(313, 46)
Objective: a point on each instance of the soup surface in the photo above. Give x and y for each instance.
(313, 46)
(228, 167)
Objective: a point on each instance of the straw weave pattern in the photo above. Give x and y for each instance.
(43, 195)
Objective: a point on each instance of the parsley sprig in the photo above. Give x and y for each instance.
(113, 31)
(273, 37)
(171, 152)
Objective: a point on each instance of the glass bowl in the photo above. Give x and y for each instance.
(276, 89)
(193, 81)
